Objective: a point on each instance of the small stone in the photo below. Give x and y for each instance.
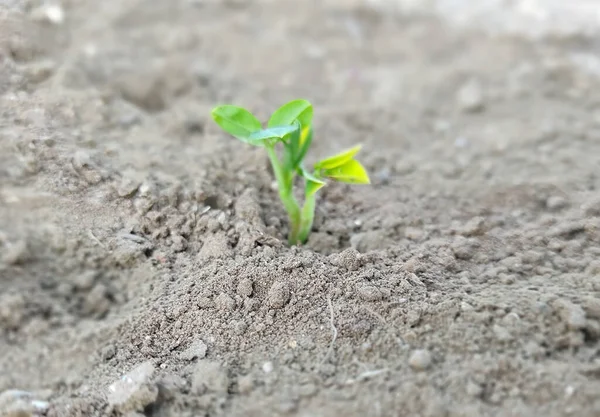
(592, 328)
(128, 187)
(205, 302)
(473, 227)
(414, 234)
(556, 203)
(225, 302)
(244, 288)
(179, 243)
(593, 267)
(420, 360)
(144, 90)
(133, 391)
(196, 350)
(501, 333)
(267, 367)
(84, 281)
(572, 314)
(470, 97)
(50, 13)
(474, 389)
(12, 310)
(511, 319)
(15, 254)
(591, 307)
(592, 208)
(245, 384)
(466, 307)
(108, 352)
(97, 303)
(348, 258)
(464, 248)
(369, 293)
(17, 403)
(279, 295)
(38, 72)
(209, 376)
(307, 390)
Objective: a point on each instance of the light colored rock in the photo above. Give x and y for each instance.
(197, 349)
(209, 376)
(369, 293)
(18, 403)
(133, 391)
(572, 314)
(420, 360)
(470, 98)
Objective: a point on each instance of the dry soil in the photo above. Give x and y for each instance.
(143, 263)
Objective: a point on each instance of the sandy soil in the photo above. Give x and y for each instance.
(143, 264)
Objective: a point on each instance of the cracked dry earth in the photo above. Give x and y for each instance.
(143, 264)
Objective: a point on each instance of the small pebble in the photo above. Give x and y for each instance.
(369, 293)
(420, 360)
(197, 349)
(470, 97)
(556, 203)
(50, 13)
(267, 367)
(16, 253)
(133, 391)
(573, 315)
(209, 376)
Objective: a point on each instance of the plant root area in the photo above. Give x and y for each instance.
(144, 269)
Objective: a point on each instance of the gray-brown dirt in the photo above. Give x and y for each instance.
(143, 265)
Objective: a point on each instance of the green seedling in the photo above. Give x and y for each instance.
(291, 126)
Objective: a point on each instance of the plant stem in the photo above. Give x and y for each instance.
(285, 181)
(307, 218)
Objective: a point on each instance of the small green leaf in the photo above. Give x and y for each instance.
(305, 140)
(338, 160)
(287, 114)
(313, 184)
(236, 121)
(352, 172)
(278, 132)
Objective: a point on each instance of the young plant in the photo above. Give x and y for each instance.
(291, 126)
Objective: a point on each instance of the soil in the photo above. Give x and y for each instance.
(144, 269)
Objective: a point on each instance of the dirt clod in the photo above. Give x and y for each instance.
(134, 390)
(225, 302)
(196, 350)
(209, 376)
(279, 295)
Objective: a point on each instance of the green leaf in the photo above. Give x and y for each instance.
(338, 160)
(278, 132)
(313, 183)
(287, 114)
(236, 121)
(305, 140)
(352, 172)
